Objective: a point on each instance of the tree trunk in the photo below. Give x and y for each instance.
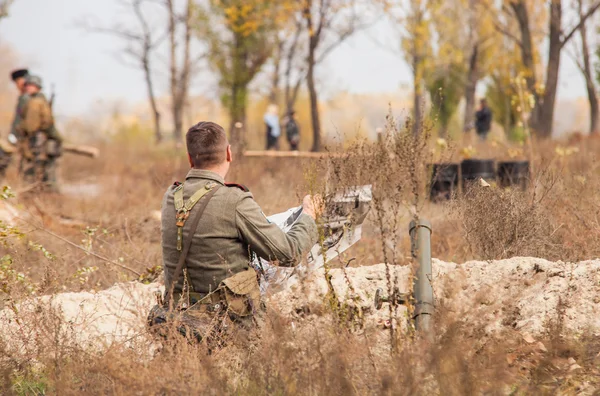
(173, 69)
(237, 114)
(417, 97)
(314, 102)
(274, 94)
(545, 113)
(152, 97)
(179, 76)
(292, 89)
(588, 74)
(472, 78)
(508, 116)
(313, 42)
(184, 76)
(520, 9)
(526, 44)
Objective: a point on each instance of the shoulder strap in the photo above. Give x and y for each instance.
(178, 197)
(186, 248)
(183, 209)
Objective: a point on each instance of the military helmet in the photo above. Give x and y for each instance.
(18, 74)
(34, 80)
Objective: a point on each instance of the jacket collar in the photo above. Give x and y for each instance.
(204, 174)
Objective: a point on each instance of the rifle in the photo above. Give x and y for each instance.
(52, 96)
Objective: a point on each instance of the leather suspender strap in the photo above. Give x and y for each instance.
(183, 210)
(186, 248)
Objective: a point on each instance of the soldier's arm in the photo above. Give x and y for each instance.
(268, 240)
(15, 127)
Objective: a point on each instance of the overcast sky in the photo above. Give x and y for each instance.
(84, 69)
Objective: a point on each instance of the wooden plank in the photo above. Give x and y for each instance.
(87, 151)
(289, 154)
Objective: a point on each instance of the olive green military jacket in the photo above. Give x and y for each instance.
(36, 116)
(231, 228)
(18, 113)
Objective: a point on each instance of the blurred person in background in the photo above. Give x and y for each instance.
(39, 143)
(18, 77)
(273, 129)
(292, 131)
(483, 120)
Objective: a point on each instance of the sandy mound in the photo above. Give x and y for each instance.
(523, 294)
(90, 320)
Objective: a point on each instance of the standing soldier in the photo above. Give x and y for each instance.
(40, 144)
(18, 77)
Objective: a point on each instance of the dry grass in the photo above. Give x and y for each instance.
(556, 219)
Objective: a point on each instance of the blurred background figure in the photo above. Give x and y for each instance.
(18, 76)
(40, 145)
(483, 120)
(292, 131)
(273, 129)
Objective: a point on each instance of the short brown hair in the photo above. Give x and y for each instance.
(206, 144)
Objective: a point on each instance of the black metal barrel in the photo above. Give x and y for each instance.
(513, 173)
(444, 181)
(475, 169)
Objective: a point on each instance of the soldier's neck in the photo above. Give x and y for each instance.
(220, 170)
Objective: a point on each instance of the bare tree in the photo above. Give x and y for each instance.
(477, 57)
(583, 62)
(542, 115)
(330, 22)
(293, 81)
(289, 66)
(179, 71)
(140, 44)
(241, 37)
(278, 54)
(416, 46)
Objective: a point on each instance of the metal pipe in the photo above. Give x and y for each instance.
(420, 240)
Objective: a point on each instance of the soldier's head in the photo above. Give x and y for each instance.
(483, 102)
(208, 147)
(19, 76)
(33, 84)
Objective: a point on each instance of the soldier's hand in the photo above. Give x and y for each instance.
(312, 205)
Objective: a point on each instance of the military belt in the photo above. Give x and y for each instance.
(205, 302)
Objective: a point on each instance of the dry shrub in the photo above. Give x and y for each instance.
(309, 354)
(500, 224)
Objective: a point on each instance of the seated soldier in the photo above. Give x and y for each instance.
(211, 229)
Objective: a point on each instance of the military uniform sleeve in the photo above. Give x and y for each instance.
(14, 127)
(268, 240)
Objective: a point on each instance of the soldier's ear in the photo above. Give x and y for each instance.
(229, 156)
(190, 159)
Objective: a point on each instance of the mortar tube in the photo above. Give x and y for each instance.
(420, 237)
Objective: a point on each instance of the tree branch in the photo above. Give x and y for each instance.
(582, 20)
(508, 34)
